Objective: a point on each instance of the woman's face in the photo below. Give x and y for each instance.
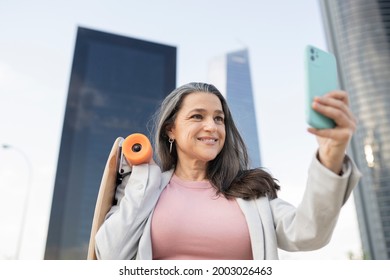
(199, 128)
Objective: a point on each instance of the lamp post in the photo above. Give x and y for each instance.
(26, 197)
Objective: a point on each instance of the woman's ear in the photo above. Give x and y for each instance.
(170, 133)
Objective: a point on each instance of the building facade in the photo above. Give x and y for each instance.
(231, 74)
(358, 33)
(116, 85)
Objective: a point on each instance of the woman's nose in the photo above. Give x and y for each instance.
(210, 125)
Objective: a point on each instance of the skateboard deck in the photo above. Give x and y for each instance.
(135, 149)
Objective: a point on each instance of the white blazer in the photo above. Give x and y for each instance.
(272, 224)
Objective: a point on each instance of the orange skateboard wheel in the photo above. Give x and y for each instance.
(137, 149)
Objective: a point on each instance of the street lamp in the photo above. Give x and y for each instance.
(26, 198)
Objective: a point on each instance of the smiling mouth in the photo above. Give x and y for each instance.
(208, 140)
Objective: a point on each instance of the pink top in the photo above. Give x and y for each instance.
(191, 222)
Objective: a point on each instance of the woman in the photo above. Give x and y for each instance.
(204, 202)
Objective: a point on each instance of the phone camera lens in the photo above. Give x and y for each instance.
(312, 50)
(312, 57)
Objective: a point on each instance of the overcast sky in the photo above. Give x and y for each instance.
(36, 50)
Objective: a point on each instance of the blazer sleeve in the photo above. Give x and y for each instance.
(118, 237)
(310, 225)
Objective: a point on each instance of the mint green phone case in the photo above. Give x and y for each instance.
(321, 77)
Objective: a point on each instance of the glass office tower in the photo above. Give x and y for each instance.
(358, 32)
(231, 74)
(116, 85)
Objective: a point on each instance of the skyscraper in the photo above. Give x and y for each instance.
(231, 74)
(116, 85)
(358, 33)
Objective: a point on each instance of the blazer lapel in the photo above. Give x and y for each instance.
(255, 227)
(270, 242)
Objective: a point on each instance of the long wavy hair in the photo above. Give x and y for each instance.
(229, 172)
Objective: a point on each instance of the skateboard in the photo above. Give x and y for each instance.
(133, 150)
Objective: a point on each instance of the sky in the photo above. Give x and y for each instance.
(37, 40)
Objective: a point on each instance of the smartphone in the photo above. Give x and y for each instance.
(321, 78)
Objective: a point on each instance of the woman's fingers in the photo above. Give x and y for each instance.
(335, 105)
(339, 95)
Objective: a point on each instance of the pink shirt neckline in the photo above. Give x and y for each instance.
(204, 184)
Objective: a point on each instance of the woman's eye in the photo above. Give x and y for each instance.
(197, 117)
(219, 119)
